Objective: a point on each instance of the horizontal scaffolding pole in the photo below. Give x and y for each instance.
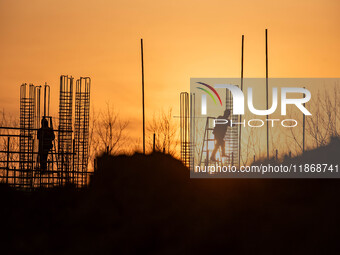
(29, 136)
(42, 172)
(34, 129)
(30, 152)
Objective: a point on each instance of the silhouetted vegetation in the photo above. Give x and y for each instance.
(148, 203)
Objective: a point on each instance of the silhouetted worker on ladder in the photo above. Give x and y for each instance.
(219, 132)
(46, 136)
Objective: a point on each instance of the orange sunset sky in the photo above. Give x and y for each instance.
(42, 39)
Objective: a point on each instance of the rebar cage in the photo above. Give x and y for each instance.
(232, 136)
(26, 139)
(67, 161)
(65, 142)
(81, 128)
(185, 128)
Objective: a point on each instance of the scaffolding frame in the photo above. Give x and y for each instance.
(19, 164)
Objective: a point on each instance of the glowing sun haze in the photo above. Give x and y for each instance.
(42, 39)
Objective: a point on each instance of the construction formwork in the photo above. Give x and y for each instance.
(81, 129)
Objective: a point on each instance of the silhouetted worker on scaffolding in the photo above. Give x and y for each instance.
(219, 132)
(46, 136)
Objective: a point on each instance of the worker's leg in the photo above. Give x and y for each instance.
(223, 148)
(213, 154)
(43, 161)
(218, 143)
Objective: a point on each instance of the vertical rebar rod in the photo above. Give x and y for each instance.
(239, 142)
(335, 111)
(47, 92)
(142, 56)
(45, 100)
(276, 155)
(38, 104)
(7, 163)
(303, 129)
(267, 92)
(73, 162)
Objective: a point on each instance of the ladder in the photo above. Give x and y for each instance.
(205, 151)
(46, 178)
(205, 147)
